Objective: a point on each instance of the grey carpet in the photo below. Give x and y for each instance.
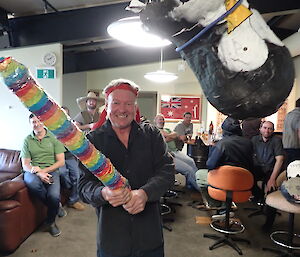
(186, 240)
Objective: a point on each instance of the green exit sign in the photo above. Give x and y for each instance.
(46, 73)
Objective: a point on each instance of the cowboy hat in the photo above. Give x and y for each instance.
(81, 101)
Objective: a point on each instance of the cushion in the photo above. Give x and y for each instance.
(230, 178)
(278, 201)
(8, 205)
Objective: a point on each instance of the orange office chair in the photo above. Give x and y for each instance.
(229, 184)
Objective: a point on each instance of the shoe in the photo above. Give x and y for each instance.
(222, 216)
(77, 206)
(61, 211)
(54, 230)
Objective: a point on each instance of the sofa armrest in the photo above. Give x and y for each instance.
(9, 188)
(8, 205)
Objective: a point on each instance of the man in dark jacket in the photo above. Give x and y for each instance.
(129, 221)
(233, 149)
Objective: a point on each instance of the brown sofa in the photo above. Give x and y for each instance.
(20, 213)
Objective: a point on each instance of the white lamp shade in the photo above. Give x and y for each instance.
(130, 31)
(161, 76)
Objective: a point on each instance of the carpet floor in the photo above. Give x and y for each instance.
(185, 240)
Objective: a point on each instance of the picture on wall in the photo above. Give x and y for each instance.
(173, 107)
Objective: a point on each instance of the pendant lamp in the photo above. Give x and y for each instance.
(161, 76)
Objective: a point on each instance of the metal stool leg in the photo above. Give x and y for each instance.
(224, 240)
(288, 244)
(229, 238)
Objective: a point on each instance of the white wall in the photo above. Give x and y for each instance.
(74, 86)
(13, 115)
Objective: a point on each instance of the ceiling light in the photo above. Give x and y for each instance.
(161, 76)
(131, 31)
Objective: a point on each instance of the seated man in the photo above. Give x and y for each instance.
(70, 174)
(233, 149)
(183, 163)
(42, 154)
(268, 163)
(184, 130)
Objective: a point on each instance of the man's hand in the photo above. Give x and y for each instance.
(36, 169)
(91, 125)
(44, 176)
(137, 202)
(271, 185)
(183, 138)
(116, 197)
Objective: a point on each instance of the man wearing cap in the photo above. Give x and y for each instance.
(129, 220)
(89, 114)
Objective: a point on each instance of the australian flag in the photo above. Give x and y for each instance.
(174, 102)
(176, 106)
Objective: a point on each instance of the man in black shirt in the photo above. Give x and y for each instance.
(268, 155)
(268, 162)
(129, 222)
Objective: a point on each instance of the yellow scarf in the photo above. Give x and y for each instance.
(237, 16)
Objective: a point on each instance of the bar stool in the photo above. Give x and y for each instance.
(229, 183)
(167, 207)
(287, 239)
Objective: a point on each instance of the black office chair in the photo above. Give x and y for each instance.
(168, 207)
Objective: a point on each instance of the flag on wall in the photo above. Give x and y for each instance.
(173, 107)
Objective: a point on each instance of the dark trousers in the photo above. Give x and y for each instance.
(158, 252)
(261, 174)
(69, 174)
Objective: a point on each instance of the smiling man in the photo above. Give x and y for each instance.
(268, 163)
(42, 154)
(184, 129)
(129, 221)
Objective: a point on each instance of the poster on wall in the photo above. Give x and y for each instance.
(173, 107)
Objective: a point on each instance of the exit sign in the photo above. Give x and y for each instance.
(46, 73)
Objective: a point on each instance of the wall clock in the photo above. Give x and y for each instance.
(50, 58)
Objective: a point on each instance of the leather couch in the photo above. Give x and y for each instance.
(20, 213)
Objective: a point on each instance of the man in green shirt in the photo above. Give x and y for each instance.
(183, 163)
(42, 154)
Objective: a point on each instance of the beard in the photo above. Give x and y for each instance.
(91, 107)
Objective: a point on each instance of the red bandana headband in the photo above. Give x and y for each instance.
(121, 86)
(103, 114)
